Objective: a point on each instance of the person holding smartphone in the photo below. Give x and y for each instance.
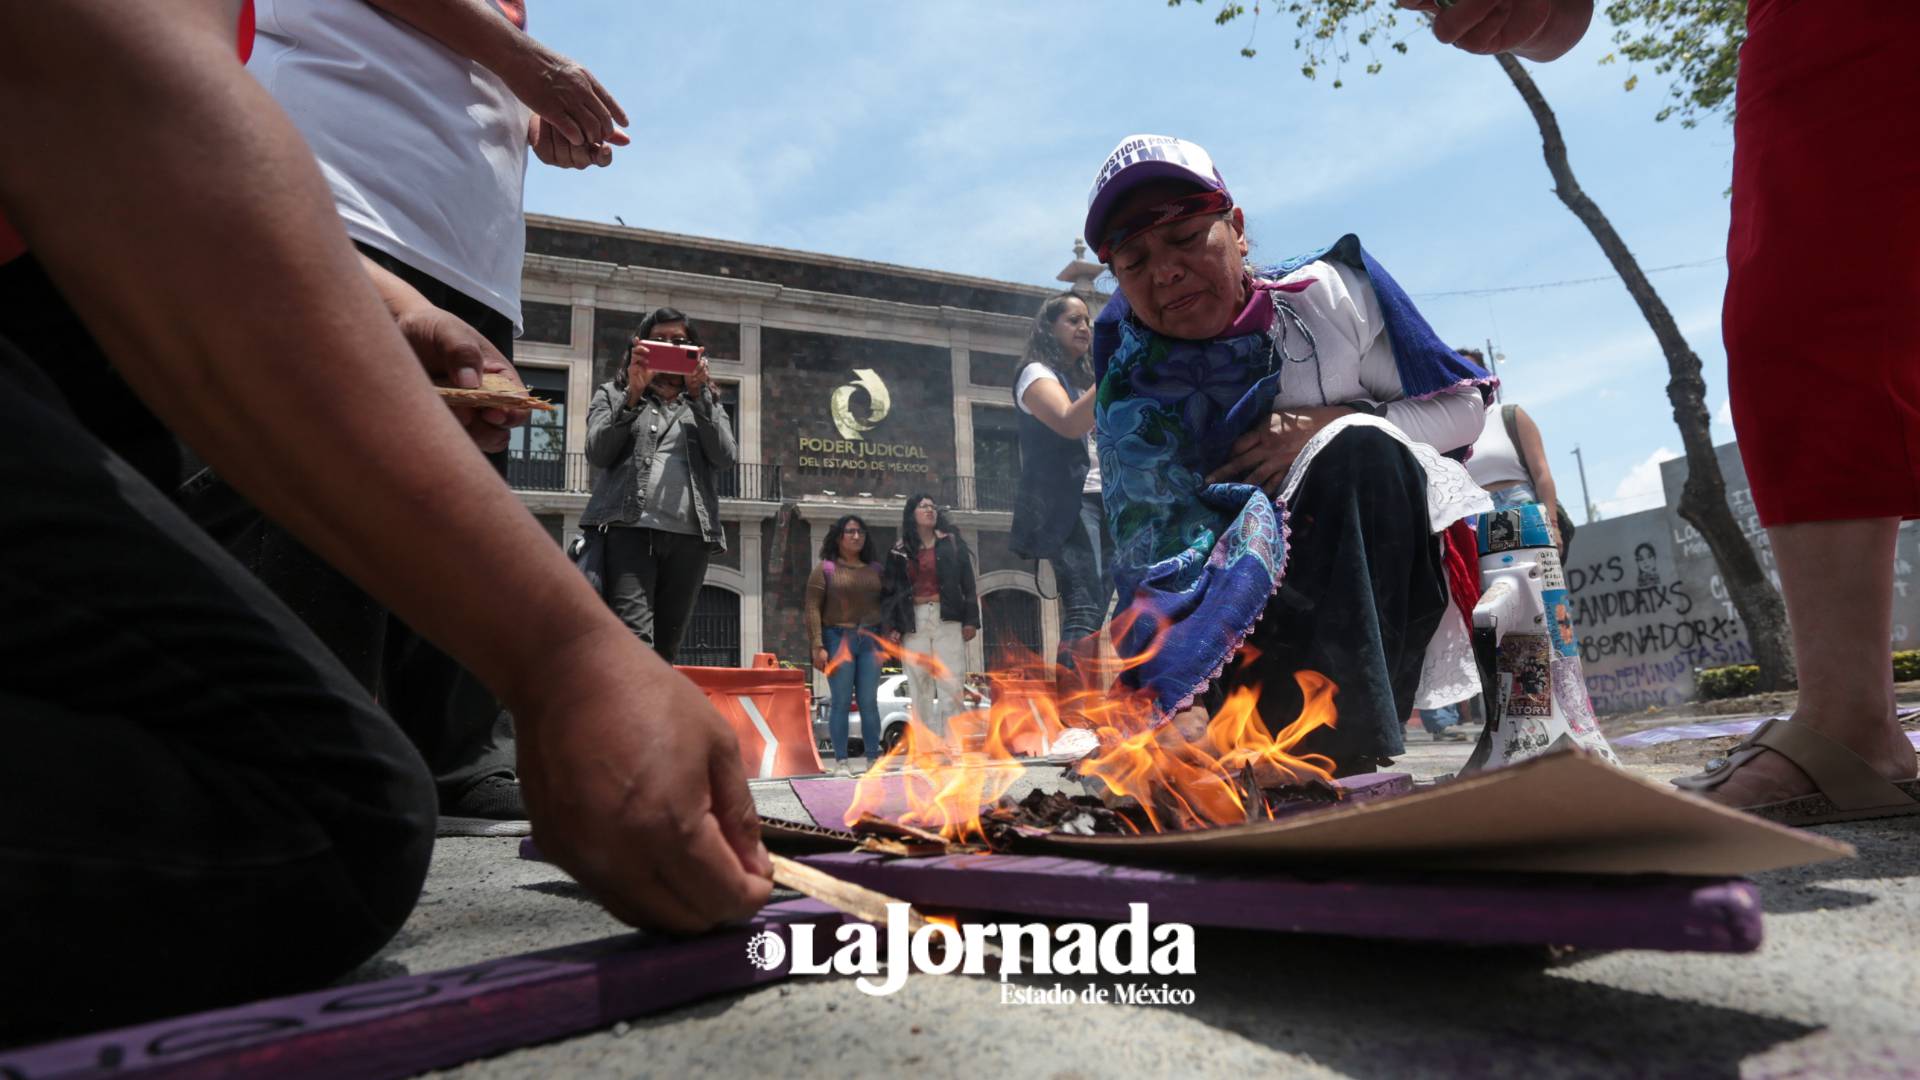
(662, 437)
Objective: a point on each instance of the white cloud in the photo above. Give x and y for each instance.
(1723, 422)
(1640, 489)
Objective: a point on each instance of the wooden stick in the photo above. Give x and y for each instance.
(856, 900)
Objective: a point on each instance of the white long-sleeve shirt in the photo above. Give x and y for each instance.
(1354, 361)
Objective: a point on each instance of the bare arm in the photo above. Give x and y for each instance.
(1533, 452)
(565, 94)
(276, 361)
(1068, 418)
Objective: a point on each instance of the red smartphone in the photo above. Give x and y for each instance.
(672, 359)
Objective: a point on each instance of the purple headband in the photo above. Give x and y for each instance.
(1198, 204)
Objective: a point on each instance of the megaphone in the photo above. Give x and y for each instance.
(1536, 689)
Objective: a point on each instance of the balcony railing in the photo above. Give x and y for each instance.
(570, 473)
(979, 492)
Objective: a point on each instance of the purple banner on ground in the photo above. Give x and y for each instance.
(403, 1026)
(1716, 730)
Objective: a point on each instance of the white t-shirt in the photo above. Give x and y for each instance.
(425, 150)
(1033, 373)
(1355, 361)
(1495, 459)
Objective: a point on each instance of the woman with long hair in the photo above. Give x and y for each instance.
(843, 614)
(929, 606)
(1058, 514)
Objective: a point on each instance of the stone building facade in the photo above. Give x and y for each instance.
(850, 385)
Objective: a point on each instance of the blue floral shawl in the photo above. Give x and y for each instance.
(1199, 562)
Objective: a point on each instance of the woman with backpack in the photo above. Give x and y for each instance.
(1058, 514)
(843, 615)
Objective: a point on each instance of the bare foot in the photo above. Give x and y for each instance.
(1771, 778)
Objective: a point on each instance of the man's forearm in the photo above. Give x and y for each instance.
(273, 357)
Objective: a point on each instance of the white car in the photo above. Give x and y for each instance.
(896, 708)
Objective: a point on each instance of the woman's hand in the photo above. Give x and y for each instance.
(1262, 456)
(820, 657)
(967, 632)
(699, 378)
(638, 374)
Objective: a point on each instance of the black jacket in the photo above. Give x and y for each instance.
(951, 563)
(1053, 469)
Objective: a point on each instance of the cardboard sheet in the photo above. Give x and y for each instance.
(1561, 813)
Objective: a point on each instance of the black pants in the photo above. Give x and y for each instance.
(1364, 591)
(449, 715)
(198, 805)
(653, 579)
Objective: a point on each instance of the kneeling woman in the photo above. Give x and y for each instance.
(1271, 452)
(928, 606)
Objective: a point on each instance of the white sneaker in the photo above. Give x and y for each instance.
(840, 768)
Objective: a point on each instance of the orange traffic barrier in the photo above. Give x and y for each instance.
(768, 710)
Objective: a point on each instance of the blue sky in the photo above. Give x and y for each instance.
(963, 137)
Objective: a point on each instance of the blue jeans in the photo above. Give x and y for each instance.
(860, 672)
(1081, 572)
(1440, 719)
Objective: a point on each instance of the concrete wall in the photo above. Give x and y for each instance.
(1652, 609)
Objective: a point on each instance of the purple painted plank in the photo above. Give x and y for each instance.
(827, 799)
(1642, 912)
(403, 1026)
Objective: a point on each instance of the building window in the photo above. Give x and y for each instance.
(1012, 618)
(548, 324)
(537, 452)
(991, 369)
(713, 633)
(996, 460)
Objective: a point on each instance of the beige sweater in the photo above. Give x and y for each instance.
(854, 599)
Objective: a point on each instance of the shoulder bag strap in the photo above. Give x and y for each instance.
(1508, 416)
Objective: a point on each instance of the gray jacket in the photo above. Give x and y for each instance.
(619, 443)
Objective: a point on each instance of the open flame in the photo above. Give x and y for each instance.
(1181, 774)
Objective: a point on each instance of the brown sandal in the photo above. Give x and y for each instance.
(1846, 787)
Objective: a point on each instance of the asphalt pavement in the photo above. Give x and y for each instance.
(1834, 991)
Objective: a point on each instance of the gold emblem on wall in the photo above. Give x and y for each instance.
(878, 404)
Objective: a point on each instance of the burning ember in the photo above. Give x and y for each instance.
(1151, 775)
